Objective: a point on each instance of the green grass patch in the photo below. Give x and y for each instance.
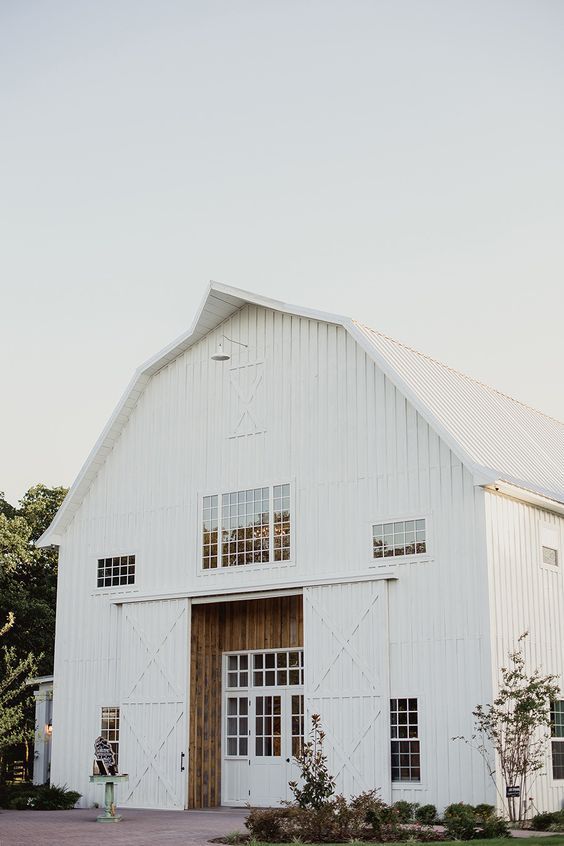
(552, 840)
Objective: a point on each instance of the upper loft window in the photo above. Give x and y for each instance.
(246, 527)
(402, 537)
(116, 571)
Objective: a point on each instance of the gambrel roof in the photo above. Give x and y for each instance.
(495, 436)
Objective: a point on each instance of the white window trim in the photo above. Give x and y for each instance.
(115, 589)
(423, 784)
(555, 782)
(261, 565)
(250, 690)
(99, 731)
(417, 557)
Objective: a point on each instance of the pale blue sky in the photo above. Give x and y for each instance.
(399, 162)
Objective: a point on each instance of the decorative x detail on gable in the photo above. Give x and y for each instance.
(246, 382)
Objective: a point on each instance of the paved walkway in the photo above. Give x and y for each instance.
(138, 828)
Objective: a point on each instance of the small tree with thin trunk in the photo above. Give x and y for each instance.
(513, 732)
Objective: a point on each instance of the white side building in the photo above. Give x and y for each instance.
(325, 522)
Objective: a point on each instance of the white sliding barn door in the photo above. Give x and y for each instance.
(154, 684)
(346, 681)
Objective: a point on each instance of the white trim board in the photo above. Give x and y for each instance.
(228, 594)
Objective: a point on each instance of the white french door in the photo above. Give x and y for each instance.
(263, 725)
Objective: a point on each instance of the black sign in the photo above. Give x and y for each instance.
(512, 791)
(105, 758)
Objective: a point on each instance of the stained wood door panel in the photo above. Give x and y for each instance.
(227, 627)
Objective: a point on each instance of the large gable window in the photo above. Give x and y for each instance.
(246, 527)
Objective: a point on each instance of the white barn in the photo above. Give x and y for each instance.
(325, 521)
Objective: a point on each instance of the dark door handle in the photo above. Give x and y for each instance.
(287, 760)
(182, 767)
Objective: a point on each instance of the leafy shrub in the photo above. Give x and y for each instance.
(426, 814)
(267, 824)
(405, 810)
(466, 822)
(548, 822)
(460, 821)
(364, 818)
(43, 797)
(317, 784)
(542, 822)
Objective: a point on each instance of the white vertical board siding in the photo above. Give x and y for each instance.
(153, 725)
(86, 670)
(327, 420)
(527, 596)
(346, 681)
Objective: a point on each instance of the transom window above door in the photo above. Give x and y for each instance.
(246, 527)
(280, 668)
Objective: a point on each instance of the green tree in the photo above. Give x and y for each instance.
(513, 732)
(13, 676)
(28, 576)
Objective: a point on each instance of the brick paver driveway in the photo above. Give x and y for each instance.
(138, 828)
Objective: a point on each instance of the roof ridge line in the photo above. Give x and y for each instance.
(459, 372)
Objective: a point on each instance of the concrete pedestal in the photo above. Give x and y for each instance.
(109, 781)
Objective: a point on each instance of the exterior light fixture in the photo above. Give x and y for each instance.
(220, 355)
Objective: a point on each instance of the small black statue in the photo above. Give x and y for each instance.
(105, 758)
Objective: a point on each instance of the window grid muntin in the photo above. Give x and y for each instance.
(297, 717)
(237, 670)
(268, 726)
(283, 668)
(549, 556)
(251, 526)
(557, 732)
(557, 718)
(282, 525)
(237, 726)
(110, 728)
(117, 571)
(396, 538)
(245, 527)
(210, 531)
(405, 744)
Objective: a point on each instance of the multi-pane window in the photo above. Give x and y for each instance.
(557, 732)
(268, 729)
(246, 527)
(237, 733)
(116, 571)
(550, 556)
(238, 671)
(405, 748)
(298, 714)
(402, 537)
(110, 728)
(280, 669)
